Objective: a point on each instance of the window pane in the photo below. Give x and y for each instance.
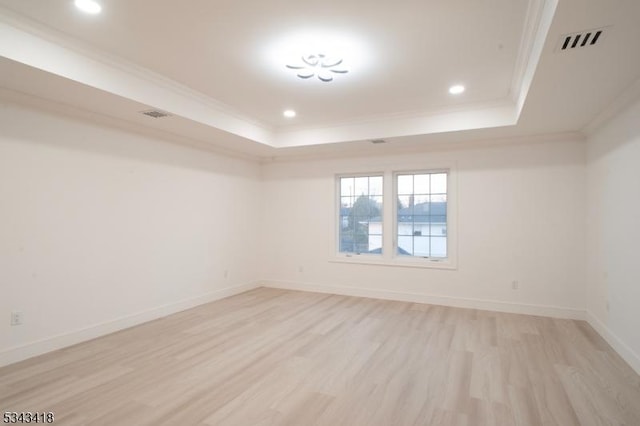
(345, 223)
(438, 219)
(438, 207)
(346, 202)
(405, 202)
(375, 243)
(421, 204)
(439, 183)
(346, 243)
(375, 226)
(362, 206)
(421, 246)
(376, 206)
(438, 229)
(361, 235)
(375, 185)
(438, 247)
(361, 186)
(421, 184)
(421, 225)
(438, 198)
(363, 223)
(405, 228)
(361, 247)
(405, 246)
(405, 184)
(346, 187)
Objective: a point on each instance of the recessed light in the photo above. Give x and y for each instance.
(88, 6)
(457, 89)
(289, 113)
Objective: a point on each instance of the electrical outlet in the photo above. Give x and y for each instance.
(226, 273)
(515, 285)
(16, 318)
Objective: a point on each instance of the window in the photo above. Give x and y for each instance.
(423, 209)
(421, 214)
(361, 210)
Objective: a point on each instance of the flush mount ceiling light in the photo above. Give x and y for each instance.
(88, 6)
(318, 65)
(456, 89)
(321, 55)
(289, 113)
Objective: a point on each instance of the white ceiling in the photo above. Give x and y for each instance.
(219, 67)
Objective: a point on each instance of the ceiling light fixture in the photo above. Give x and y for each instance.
(88, 6)
(306, 50)
(318, 65)
(289, 113)
(457, 89)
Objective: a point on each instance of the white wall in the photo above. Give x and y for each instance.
(102, 228)
(521, 216)
(613, 274)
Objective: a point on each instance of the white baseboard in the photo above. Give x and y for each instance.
(628, 354)
(16, 354)
(19, 353)
(485, 305)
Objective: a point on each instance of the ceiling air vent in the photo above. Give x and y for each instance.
(156, 113)
(581, 39)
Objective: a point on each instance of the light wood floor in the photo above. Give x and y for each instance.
(275, 357)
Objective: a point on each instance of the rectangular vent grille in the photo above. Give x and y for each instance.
(156, 113)
(581, 39)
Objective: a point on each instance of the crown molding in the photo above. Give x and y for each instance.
(25, 40)
(533, 37)
(86, 50)
(49, 106)
(359, 150)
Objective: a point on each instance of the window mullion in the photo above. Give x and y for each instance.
(388, 220)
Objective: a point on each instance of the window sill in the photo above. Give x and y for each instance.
(364, 259)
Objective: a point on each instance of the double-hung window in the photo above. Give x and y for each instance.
(413, 227)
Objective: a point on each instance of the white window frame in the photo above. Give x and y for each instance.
(389, 256)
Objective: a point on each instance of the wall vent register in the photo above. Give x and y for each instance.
(155, 113)
(580, 39)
